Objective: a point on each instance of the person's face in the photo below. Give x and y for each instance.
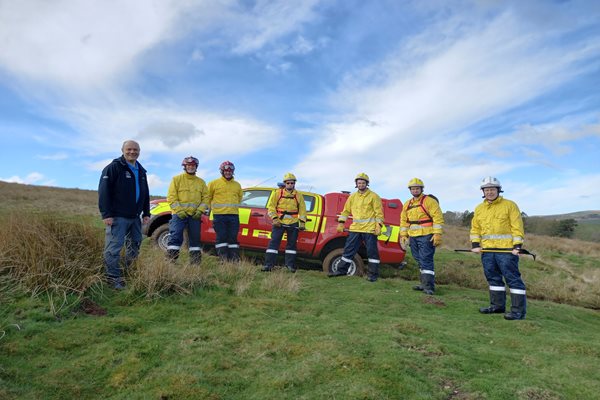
(416, 191)
(191, 168)
(228, 173)
(131, 151)
(289, 185)
(490, 194)
(361, 184)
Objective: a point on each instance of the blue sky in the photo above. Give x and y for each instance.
(448, 91)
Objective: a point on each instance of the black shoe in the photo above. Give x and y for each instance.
(512, 316)
(372, 279)
(335, 274)
(265, 269)
(491, 310)
(418, 287)
(292, 270)
(428, 291)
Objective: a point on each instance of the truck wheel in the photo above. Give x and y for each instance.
(331, 261)
(160, 237)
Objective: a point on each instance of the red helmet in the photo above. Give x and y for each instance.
(190, 160)
(226, 165)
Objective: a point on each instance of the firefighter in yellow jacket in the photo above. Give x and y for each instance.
(497, 233)
(367, 220)
(187, 197)
(422, 221)
(287, 210)
(224, 197)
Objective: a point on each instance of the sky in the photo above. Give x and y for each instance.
(447, 91)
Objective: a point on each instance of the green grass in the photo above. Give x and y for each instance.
(339, 338)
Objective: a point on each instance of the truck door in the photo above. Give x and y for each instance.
(308, 238)
(255, 224)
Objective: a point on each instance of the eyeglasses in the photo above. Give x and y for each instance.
(227, 168)
(290, 183)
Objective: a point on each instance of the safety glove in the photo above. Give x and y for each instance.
(340, 227)
(436, 239)
(301, 225)
(182, 214)
(377, 230)
(404, 242)
(276, 222)
(198, 214)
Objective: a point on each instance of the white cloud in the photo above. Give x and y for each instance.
(54, 157)
(30, 179)
(401, 118)
(80, 44)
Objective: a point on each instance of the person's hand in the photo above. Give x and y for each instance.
(198, 214)
(302, 225)
(436, 239)
(276, 222)
(476, 250)
(340, 227)
(404, 242)
(145, 220)
(108, 221)
(377, 230)
(182, 215)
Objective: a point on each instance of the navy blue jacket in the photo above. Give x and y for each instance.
(116, 191)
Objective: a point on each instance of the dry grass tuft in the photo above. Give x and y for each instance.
(281, 281)
(44, 254)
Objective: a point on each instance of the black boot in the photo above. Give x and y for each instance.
(422, 285)
(497, 303)
(429, 284)
(373, 271)
(234, 253)
(518, 307)
(172, 255)
(221, 251)
(195, 257)
(290, 260)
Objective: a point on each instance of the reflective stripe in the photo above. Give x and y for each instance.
(272, 251)
(233, 246)
(403, 229)
(365, 220)
(417, 227)
(225, 205)
(178, 204)
(517, 291)
(287, 217)
(342, 218)
(497, 289)
(496, 237)
(438, 226)
(173, 247)
(475, 237)
(517, 239)
(346, 260)
(427, 271)
(374, 260)
(219, 245)
(195, 248)
(290, 252)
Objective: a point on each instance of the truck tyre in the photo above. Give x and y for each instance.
(334, 257)
(160, 237)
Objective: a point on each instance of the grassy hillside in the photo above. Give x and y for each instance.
(227, 331)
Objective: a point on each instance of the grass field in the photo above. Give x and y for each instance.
(227, 331)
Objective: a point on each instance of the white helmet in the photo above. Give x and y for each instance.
(489, 182)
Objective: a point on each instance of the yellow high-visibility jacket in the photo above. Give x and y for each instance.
(187, 193)
(224, 196)
(288, 206)
(497, 226)
(414, 221)
(366, 210)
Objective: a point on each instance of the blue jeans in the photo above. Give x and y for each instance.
(290, 247)
(226, 227)
(351, 247)
(499, 265)
(176, 228)
(422, 250)
(123, 231)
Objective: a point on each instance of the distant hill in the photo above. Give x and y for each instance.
(578, 216)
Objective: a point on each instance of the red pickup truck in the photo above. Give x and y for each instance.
(320, 240)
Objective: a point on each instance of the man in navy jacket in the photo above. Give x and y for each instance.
(123, 196)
